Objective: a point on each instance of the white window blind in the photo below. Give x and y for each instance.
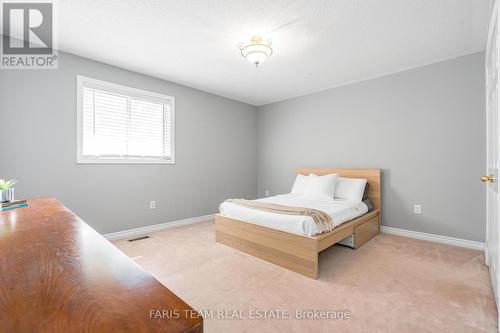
(125, 124)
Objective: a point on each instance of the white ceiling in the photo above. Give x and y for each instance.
(317, 44)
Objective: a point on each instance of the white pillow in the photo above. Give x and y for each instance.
(351, 189)
(300, 185)
(321, 187)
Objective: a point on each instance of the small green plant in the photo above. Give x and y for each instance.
(6, 184)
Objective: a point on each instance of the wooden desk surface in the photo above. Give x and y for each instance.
(57, 274)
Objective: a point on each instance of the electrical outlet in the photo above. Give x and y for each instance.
(417, 209)
(267, 193)
(152, 204)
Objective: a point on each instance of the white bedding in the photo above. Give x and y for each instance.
(340, 210)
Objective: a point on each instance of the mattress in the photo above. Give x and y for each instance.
(339, 210)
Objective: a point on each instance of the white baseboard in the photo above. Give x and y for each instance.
(433, 238)
(486, 255)
(137, 232)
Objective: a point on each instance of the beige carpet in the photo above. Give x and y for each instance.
(391, 284)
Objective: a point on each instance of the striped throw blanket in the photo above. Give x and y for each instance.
(323, 220)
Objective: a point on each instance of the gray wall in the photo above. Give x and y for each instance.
(424, 127)
(215, 149)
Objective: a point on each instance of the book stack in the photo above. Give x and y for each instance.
(13, 204)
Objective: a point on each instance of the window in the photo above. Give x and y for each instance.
(118, 124)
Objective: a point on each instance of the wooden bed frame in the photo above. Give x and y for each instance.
(297, 252)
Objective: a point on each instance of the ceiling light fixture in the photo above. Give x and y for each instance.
(257, 51)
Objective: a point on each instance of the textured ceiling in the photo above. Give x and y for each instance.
(317, 44)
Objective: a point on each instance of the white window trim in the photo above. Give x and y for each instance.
(80, 159)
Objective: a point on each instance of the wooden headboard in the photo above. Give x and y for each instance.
(372, 175)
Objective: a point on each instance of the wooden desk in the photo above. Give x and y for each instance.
(57, 274)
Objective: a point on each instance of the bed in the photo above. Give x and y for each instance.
(296, 248)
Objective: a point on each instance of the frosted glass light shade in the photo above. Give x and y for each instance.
(256, 53)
